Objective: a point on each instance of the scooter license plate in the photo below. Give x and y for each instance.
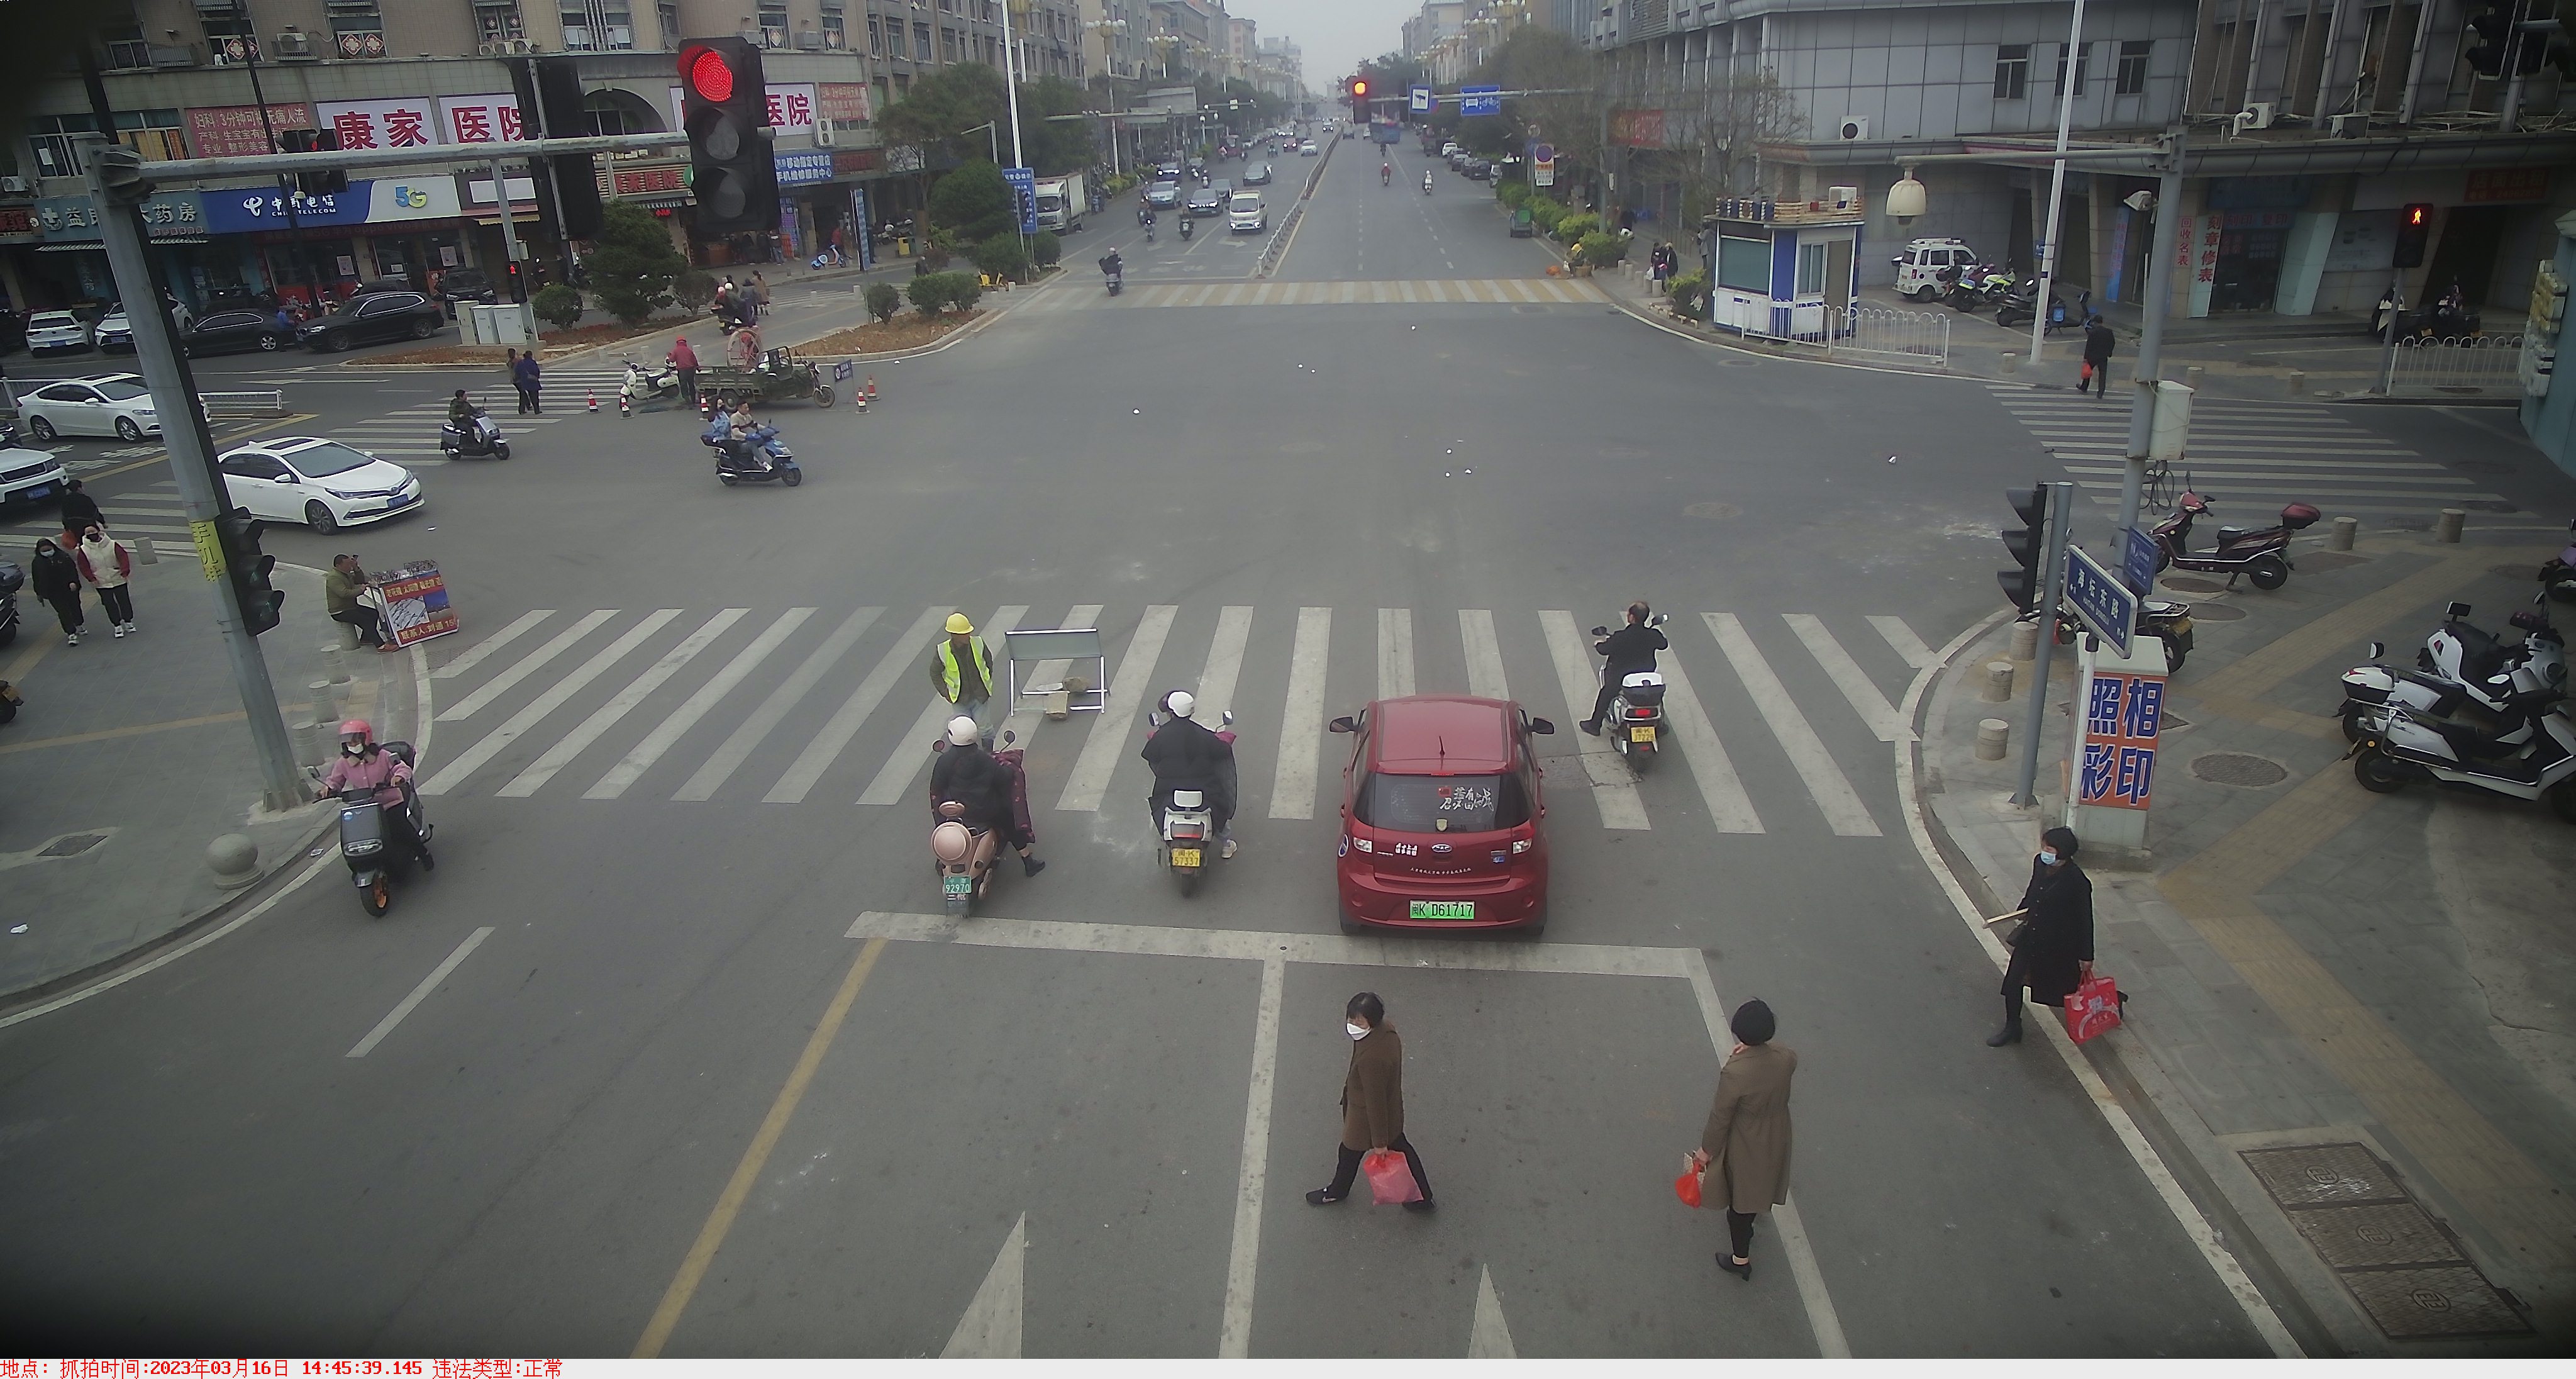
(1442, 909)
(956, 885)
(1646, 735)
(1185, 857)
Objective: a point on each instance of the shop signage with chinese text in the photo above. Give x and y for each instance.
(233, 131)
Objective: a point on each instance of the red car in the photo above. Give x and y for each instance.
(1440, 817)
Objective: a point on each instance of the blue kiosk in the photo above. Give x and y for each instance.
(1784, 270)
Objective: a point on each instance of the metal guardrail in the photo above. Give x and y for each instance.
(255, 403)
(2461, 364)
(1914, 337)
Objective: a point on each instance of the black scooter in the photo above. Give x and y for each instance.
(367, 842)
(2558, 573)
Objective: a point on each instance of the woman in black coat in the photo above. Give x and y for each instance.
(2052, 951)
(58, 583)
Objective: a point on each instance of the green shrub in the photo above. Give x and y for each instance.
(558, 304)
(1574, 225)
(933, 293)
(1545, 211)
(1599, 249)
(1512, 193)
(1001, 257)
(1689, 294)
(694, 288)
(884, 300)
(1046, 249)
(963, 291)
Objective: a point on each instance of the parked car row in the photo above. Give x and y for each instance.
(236, 320)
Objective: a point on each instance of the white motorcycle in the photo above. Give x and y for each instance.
(1636, 722)
(2463, 670)
(482, 437)
(1189, 825)
(643, 385)
(2406, 748)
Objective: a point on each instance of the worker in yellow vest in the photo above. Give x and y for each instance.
(961, 670)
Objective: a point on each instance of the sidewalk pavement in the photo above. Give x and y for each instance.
(131, 756)
(2313, 965)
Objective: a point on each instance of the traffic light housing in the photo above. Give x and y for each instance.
(237, 532)
(1360, 99)
(724, 104)
(551, 103)
(314, 184)
(2028, 545)
(2414, 232)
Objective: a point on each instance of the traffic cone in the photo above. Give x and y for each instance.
(624, 408)
(594, 399)
(872, 387)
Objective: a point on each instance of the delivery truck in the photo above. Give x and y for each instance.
(1062, 203)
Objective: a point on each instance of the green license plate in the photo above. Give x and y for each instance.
(1443, 909)
(957, 885)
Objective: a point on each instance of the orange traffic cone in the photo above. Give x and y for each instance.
(872, 387)
(594, 399)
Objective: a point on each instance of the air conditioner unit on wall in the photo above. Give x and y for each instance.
(291, 44)
(2347, 126)
(14, 184)
(1853, 129)
(2256, 115)
(826, 131)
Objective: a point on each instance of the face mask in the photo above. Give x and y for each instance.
(1356, 1031)
(353, 749)
(2047, 857)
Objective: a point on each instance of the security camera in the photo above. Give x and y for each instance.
(2141, 201)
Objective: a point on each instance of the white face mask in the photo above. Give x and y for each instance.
(1356, 1031)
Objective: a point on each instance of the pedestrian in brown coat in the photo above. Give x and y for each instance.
(1372, 1102)
(1743, 1153)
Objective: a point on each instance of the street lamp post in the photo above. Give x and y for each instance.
(1011, 85)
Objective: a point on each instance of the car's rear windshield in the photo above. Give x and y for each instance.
(52, 318)
(1421, 804)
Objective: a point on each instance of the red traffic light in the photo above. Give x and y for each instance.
(710, 75)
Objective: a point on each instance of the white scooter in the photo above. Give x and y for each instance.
(2463, 670)
(1189, 825)
(484, 438)
(642, 385)
(2406, 748)
(1636, 723)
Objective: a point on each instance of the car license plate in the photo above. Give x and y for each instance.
(1641, 734)
(1185, 857)
(39, 491)
(1443, 909)
(397, 501)
(958, 884)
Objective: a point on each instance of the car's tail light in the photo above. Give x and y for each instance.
(1360, 844)
(1521, 845)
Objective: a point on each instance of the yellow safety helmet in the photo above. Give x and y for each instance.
(958, 625)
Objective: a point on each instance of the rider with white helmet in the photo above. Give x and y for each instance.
(968, 774)
(1185, 755)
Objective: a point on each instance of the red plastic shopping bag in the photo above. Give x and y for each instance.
(1390, 1177)
(1686, 1187)
(2094, 1008)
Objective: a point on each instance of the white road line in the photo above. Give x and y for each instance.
(1234, 1336)
(1249, 945)
(1301, 724)
(1131, 691)
(911, 754)
(533, 662)
(1394, 653)
(1224, 666)
(1730, 809)
(712, 774)
(1485, 677)
(2223, 465)
(556, 695)
(1833, 794)
(991, 1326)
(1848, 677)
(645, 753)
(1489, 1338)
(1612, 789)
(419, 994)
(1902, 638)
(620, 704)
(827, 746)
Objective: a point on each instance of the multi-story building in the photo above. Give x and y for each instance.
(179, 80)
(2307, 123)
(1242, 47)
(1288, 62)
(1437, 20)
(913, 38)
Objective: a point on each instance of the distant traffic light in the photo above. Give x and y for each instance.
(2414, 232)
(2023, 587)
(314, 184)
(1360, 99)
(237, 533)
(724, 103)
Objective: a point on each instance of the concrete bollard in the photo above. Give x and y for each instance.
(2025, 640)
(2298, 382)
(312, 740)
(234, 859)
(2191, 377)
(1993, 736)
(348, 635)
(1999, 682)
(141, 546)
(335, 666)
(2012, 361)
(2345, 529)
(325, 703)
(2446, 528)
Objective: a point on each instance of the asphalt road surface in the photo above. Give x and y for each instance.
(660, 1057)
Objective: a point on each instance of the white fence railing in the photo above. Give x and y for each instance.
(269, 403)
(2461, 364)
(1883, 333)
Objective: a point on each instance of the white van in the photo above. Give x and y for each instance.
(1918, 269)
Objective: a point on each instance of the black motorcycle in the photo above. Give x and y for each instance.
(367, 841)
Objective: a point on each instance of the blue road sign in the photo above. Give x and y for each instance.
(1480, 100)
(2138, 562)
(1024, 190)
(2101, 601)
(1418, 99)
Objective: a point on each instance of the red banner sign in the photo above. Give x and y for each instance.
(416, 607)
(647, 181)
(233, 131)
(1637, 128)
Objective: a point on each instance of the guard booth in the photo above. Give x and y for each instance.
(1784, 270)
(1042, 666)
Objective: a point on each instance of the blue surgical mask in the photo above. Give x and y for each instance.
(2048, 857)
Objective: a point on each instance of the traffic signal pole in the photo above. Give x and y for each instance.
(192, 454)
(2052, 572)
(2151, 338)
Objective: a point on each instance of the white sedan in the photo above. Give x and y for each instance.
(108, 404)
(1307, 149)
(318, 482)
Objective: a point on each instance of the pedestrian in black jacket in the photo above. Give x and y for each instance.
(1186, 755)
(1630, 649)
(58, 583)
(2098, 341)
(80, 513)
(2052, 951)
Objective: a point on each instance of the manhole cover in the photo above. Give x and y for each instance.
(2215, 612)
(2365, 1237)
(2318, 1175)
(72, 844)
(2441, 1301)
(2187, 584)
(2327, 560)
(2237, 768)
(1713, 511)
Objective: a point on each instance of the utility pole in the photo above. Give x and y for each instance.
(297, 253)
(509, 235)
(2061, 503)
(1011, 84)
(117, 190)
(2074, 59)
(2151, 333)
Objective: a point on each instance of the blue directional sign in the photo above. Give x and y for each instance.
(1024, 191)
(1480, 100)
(1418, 99)
(2100, 600)
(2138, 562)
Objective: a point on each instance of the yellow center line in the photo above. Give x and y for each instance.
(107, 734)
(28, 658)
(737, 1190)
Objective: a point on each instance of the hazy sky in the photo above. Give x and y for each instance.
(1337, 35)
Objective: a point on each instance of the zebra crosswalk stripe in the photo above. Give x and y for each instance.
(685, 717)
(1612, 791)
(481, 651)
(571, 745)
(1224, 666)
(1902, 640)
(470, 760)
(1485, 677)
(1301, 728)
(712, 774)
(535, 661)
(1815, 765)
(911, 754)
(1849, 678)
(1130, 690)
(1394, 653)
(798, 780)
(1730, 808)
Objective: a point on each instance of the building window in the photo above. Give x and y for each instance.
(876, 38)
(1811, 269)
(597, 26)
(836, 30)
(2012, 71)
(498, 21)
(152, 133)
(2132, 76)
(1744, 265)
(669, 13)
(947, 45)
(920, 41)
(57, 155)
(2083, 67)
(357, 28)
(125, 46)
(773, 23)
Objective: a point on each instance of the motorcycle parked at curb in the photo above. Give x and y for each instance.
(2406, 749)
(2466, 675)
(367, 844)
(2558, 573)
(1635, 726)
(485, 439)
(2261, 554)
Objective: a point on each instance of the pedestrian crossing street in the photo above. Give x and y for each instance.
(2249, 458)
(1076, 295)
(1779, 720)
(155, 512)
